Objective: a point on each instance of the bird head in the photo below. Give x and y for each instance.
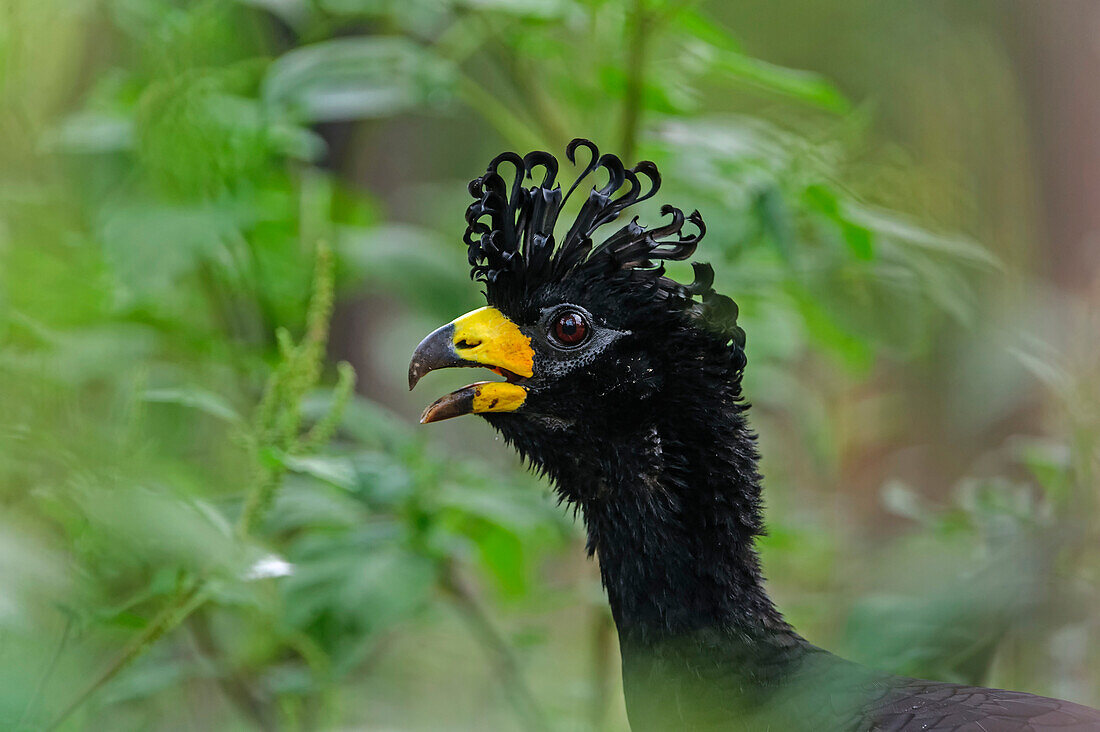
(592, 339)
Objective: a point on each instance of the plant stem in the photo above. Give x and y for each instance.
(602, 628)
(33, 700)
(636, 39)
(496, 113)
(277, 426)
(528, 85)
(503, 659)
(170, 617)
(235, 687)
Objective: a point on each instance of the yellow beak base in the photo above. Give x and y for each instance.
(483, 337)
(479, 398)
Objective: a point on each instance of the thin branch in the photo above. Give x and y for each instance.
(636, 40)
(235, 687)
(602, 637)
(504, 661)
(528, 86)
(496, 113)
(279, 415)
(277, 425)
(324, 428)
(170, 617)
(547, 113)
(47, 673)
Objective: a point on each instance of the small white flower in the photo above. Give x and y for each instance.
(269, 566)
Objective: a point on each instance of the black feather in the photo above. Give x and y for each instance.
(513, 250)
(648, 438)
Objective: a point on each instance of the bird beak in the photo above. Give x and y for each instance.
(484, 337)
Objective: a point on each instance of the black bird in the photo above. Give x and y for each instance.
(624, 387)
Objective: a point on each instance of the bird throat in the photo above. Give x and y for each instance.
(672, 522)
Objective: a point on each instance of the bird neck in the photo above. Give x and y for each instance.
(672, 517)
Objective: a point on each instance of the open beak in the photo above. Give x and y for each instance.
(484, 338)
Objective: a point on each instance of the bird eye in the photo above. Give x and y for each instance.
(570, 328)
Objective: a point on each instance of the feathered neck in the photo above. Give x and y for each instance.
(673, 521)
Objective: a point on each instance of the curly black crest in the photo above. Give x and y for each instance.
(512, 248)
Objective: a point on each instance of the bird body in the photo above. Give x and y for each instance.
(624, 387)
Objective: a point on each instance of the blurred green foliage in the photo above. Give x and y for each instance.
(183, 196)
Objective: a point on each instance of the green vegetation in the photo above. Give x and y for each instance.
(207, 521)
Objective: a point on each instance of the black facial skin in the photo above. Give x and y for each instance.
(582, 395)
(570, 384)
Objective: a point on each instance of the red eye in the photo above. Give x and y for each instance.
(570, 328)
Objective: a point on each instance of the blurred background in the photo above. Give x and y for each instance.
(216, 512)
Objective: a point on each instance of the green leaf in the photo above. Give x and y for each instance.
(149, 244)
(888, 224)
(503, 554)
(195, 398)
(31, 573)
(356, 78)
(353, 588)
(306, 504)
(151, 675)
(856, 352)
(132, 526)
(540, 9)
(803, 86)
(338, 471)
(411, 261)
(90, 132)
(701, 27)
(776, 221)
(858, 238)
(367, 423)
(517, 511)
